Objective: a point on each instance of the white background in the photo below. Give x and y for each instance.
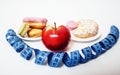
(104, 12)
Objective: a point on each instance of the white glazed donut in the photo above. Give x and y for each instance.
(86, 28)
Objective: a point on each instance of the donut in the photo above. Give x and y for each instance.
(33, 33)
(35, 22)
(71, 25)
(32, 27)
(86, 28)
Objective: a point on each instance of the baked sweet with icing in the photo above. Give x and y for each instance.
(86, 28)
(35, 22)
(71, 25)
(32, 27)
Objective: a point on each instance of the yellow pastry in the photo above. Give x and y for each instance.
(37, 25)
(23, 30)
(33, 33)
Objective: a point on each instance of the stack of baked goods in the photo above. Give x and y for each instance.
(32, 27)
(84, 28)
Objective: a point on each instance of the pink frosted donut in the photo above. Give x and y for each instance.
(35, 22)
(71, 25)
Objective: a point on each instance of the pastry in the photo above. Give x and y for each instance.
(71, 25)
(33, 33)
(35, 22)
(23, 30)
(32, 27)
(86, 28)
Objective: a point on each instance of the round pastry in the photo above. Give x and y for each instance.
(71, 25)
(86, 28)
(35, 22)
(33, 33)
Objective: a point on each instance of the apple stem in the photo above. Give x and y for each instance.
(55, 25)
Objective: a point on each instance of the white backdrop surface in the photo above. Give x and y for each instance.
(104, 12)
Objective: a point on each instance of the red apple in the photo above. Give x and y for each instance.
(56, 39)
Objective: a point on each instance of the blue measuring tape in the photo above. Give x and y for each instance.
(57, 59)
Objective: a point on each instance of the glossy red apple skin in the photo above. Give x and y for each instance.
(56, 39)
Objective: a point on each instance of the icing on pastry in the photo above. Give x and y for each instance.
(86, 28)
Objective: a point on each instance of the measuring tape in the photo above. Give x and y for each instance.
(57, 59)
